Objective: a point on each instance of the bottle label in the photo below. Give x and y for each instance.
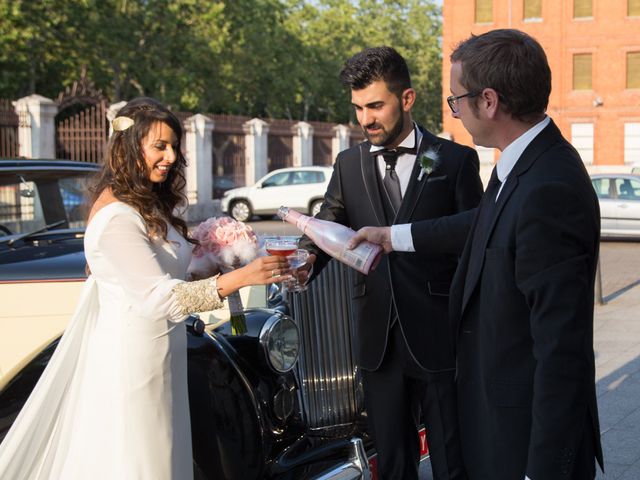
(302, 222)
(356, 257)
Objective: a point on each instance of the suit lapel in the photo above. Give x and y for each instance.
(539, 145)
(481, 235)
(368, 167)
(414, 188)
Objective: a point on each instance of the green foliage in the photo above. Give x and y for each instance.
(268, 58)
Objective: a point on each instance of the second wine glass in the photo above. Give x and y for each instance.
(296, 260)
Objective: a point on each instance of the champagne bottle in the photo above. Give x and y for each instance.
(332, 238)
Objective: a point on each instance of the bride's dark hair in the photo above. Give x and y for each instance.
(125, 171)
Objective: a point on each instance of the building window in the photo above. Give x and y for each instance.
(631, 143)
(582, 140)
(582, 8)
(484, 11)
(633, 8)
(633, 69)
(582, 71)
(532, 9)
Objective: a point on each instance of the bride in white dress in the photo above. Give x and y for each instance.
(112, 403)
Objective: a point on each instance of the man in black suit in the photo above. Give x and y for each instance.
(403, 342)
(521, 302)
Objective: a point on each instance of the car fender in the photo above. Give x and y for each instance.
(233, 433)
(228, 432)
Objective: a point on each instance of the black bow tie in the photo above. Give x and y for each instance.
(394, 151)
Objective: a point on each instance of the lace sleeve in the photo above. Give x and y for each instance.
(197, 296)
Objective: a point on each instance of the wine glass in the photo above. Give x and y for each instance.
(281, 246)
(296, 260)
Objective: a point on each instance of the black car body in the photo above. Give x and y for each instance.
(255, 411)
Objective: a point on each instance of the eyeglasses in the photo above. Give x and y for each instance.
(453, 100)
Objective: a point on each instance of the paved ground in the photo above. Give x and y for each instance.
(617, 348)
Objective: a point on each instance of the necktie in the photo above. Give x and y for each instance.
(485, 217)
(391, 181)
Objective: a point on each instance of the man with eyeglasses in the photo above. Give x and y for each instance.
(521, 304)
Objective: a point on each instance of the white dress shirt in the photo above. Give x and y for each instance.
(404, 165)
(512, 153)
(401, 239)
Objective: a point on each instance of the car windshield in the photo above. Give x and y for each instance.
(30, 200)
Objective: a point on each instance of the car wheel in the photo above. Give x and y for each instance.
(315, 207)
(240, 210)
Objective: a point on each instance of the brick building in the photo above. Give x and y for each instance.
(593, 47)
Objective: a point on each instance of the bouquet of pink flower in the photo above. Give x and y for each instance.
(225, 244)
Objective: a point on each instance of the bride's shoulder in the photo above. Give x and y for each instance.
(107, 206)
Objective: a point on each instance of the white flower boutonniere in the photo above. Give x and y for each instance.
(429, 160)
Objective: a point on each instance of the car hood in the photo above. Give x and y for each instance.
(59, 260)
(237, 192)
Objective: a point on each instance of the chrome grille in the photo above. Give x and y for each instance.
(326, 368)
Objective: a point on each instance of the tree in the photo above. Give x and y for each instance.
(331, 31)
(32, 46)
(268, 58)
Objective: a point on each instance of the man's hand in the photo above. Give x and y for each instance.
(378, 235)
(302, 273)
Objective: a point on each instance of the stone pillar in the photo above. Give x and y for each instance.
(340, 141)
(112, 112)
(256, 147)
(37, 130)
(199, 153)
(302, 144)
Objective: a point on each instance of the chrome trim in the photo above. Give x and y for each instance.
(356, 467)
(265, 335)
(326, 371)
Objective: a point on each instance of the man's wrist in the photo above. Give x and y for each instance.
(401, 238)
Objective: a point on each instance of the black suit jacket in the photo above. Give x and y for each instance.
(418, 283)
(522, 313)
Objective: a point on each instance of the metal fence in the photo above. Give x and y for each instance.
(280, 144)
(8, 130)
(322, 140)
(83, 136)
(228, 150)
(82, 133)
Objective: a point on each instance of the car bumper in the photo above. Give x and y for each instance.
(355, 467)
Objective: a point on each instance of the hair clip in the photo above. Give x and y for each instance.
(120, 124)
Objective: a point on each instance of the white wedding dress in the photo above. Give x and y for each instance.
(112, 403)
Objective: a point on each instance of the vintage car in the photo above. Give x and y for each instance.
(282, 401)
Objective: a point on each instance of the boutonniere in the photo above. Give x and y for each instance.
(429, 160)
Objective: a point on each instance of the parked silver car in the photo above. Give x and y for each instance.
(619, 196)
(301, 188)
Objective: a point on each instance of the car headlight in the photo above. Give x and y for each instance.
(280, 340)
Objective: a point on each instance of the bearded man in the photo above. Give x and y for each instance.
(403, 344)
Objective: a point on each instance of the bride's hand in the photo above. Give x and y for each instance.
(261, 271)
(266, 270)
